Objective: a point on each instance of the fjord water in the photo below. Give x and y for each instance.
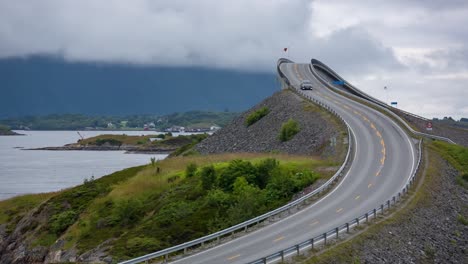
(37, 171)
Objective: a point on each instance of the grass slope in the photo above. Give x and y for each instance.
(148, 208)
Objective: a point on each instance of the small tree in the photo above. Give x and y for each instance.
(190, 170)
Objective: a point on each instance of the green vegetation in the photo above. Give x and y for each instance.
(80, 122)
(289, 130)
(5, 130)
(256, 115)
(181, 143)
(462, 219)
(171, 201)
(457, 156)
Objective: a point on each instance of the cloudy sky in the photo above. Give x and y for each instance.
(418, 48)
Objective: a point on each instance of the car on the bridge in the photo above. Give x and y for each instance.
(306, 85)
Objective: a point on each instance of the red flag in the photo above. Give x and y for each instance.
(285, 49)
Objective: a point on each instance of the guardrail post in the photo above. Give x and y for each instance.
(185, 251)
(166, 257)
(367, 217)
(312, 243)
(347, 227)
(325, 238)
(357, 221)
(388, 204)
(282, 255)
(381, 208)
(264, 261)
(337, 230)
(399, 195)
(394, 199)
(375, 213)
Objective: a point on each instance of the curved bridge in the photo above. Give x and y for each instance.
(385, 159)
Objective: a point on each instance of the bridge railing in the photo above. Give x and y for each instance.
(346, 227)
(165, 253)
(372, 100)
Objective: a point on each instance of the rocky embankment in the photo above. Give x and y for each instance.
(429, 231)
(317, 129)
(459, 135)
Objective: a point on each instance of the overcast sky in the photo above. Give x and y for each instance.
(418, 49)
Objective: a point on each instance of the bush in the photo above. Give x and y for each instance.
(208, 177)
(126, 212)
(60, 222)
(288, 130)
(256, 115)
(237, 168)
(190, 170)
(465, 176)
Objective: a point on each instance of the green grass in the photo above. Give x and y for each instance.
(151, 207)
(256, 115)
(457, 155)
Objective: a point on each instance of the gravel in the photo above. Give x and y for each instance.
(316, 129)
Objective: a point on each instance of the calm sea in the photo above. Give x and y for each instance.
(36, 171)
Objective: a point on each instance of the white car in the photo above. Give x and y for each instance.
(306, 85)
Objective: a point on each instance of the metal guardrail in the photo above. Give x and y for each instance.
(335, 232)
(373, 100)
(254, 221)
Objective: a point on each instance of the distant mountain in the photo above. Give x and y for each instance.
(43, 85)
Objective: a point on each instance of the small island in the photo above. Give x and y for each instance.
(162, 143)
(6, 131)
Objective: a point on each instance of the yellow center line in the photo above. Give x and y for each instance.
(373, 127)
(356, 112)
(314, 223)
(369, 185)
(233, 257)
(347, 107)
(339, 210)
(378, 173)
(378, 134)
(278, 239)
(357, 197)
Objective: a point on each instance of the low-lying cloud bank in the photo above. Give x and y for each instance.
(417, 49)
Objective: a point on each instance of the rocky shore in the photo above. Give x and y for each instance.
(108, 147)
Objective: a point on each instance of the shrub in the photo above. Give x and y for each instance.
(462, 219)
(288, 130)
(190, 170)
(465, 176)
(60, 222)
(126, 212)
(208, 177)
(256, 115)
(237, 168)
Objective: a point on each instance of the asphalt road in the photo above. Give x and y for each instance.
(384, 160)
